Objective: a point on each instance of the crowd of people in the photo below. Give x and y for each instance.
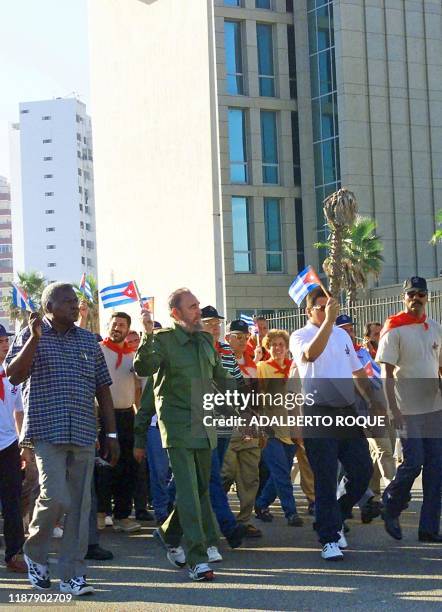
(93, 431)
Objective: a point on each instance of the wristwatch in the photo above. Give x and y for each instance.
(112, 435)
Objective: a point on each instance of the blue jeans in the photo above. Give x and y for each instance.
(162, 487)
(420, 453)
(323, 455)
(218, 497)
(278, 458)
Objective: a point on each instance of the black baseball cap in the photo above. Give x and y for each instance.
(415, 282)
(210, 312)
(238, 326)
(3, 332)
(344, 319)
(157, 325)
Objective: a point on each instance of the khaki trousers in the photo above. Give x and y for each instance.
(384, 464)
(242, 466)
(307, 480)
(65, 474)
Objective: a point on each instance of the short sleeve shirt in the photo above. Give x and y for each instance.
(11, 403)
(417, 354)
(338, 361)
(59, 393)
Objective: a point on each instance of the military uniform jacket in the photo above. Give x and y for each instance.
(184, 366)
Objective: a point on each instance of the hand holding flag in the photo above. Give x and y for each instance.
(85, 287)
(117, 295)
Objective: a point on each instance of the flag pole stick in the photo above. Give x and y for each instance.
(321, 284)
(140, 301)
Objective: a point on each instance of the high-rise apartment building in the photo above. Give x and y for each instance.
(53, 217)
(234, 119)
(5, 247)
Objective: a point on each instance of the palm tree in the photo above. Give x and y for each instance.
(33, 283)
(437, 236)
(340, 210)
(361, 255)
(93, 316)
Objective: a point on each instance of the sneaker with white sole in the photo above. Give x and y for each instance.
(58, 532)
(108, 522)
(332, 552)
(214, 555)
(201, 571)
(176, 556)
(38, 574)
(342, 542)
(76, 586)
(127, 525)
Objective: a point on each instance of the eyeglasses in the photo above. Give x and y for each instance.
(318, 307)
(412, 294)
(239, 335)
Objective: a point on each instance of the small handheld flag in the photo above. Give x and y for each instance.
(116, 295)
(148, 303)
(250, 322)
(306, 281)
(85, 287)
(21, 300)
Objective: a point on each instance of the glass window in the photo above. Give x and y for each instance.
(292, 60)
(327, 117)
(328, 160)
(241, 237)
(325, 72)
(47, 140)
(232, 2)
(295, 149)
(237, 145)
(264, 4)
(289, 6)
(299, 222)
(272, 221)
(234, 70)
(264, 34)
(269, 145)
(323, 40)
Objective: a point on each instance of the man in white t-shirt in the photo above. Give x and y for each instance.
(11, 418)
(411, 357)
(328, 365)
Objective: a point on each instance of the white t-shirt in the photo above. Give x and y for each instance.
(123, 378)
(338, 361)
(416, 353)
(12, 403)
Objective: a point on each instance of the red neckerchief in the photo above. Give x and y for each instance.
(285, 369)
(357, 346)
(403, 318)
(248, 363)
(120, 350)
(2, 386)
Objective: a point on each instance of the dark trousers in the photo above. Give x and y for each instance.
(420, 453)
(161, 483)
(124, 474)
(323, 455)
(278, 457)
(218, 498)
(10, 494)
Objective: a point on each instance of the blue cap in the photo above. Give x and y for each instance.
(344, 319)
(3, 332)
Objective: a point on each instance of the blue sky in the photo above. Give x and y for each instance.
(43, 54)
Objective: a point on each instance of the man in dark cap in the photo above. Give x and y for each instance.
(410, 354)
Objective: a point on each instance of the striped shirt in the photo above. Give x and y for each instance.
(59, 393)
(228, 360)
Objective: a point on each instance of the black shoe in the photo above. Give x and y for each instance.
(144, 515)
(294, 520)
(392, 526)
(264, 514)
(311, 508)
(345, 527)
(98, 554)
(424, 536)
(370, 511)
(235, 538)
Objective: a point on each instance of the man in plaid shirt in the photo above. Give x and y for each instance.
(62, 369)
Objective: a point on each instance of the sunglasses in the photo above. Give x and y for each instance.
(318, 307)
(412, 294)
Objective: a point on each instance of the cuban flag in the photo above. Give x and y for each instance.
(21, 300)
(306, 281)
(117, 295)
(250, 322)
(85, 287)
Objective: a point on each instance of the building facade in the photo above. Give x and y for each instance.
(261, 110)
(6, 266)
(53, 216)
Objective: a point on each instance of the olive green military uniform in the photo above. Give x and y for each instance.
(184, 365)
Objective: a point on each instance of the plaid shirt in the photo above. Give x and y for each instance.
(58, 395)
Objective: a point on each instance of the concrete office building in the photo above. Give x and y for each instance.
(53, 217)
(5, 248)
(233, 119)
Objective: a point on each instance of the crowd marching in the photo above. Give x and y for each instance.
(97, 432)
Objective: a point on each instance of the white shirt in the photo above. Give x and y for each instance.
(12, 403)
(337, 361)
(123, 386)
(417, 354)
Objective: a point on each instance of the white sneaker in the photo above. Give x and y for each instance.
(38, 574)
(342, 542)
(332, 552)
(57, 533)
(76, 586)
(201, 571)
(214, 555)
(108, 522)
(176, 556)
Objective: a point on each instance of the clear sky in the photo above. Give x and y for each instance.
(43, 54)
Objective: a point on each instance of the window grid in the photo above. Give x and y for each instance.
(269, 147)
(242, 255)
(266, 69)
(234, 60)
(238, 146)
(273, 234)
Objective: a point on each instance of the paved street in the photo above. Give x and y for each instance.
(283, 571)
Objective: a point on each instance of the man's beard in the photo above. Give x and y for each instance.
(192, 326)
